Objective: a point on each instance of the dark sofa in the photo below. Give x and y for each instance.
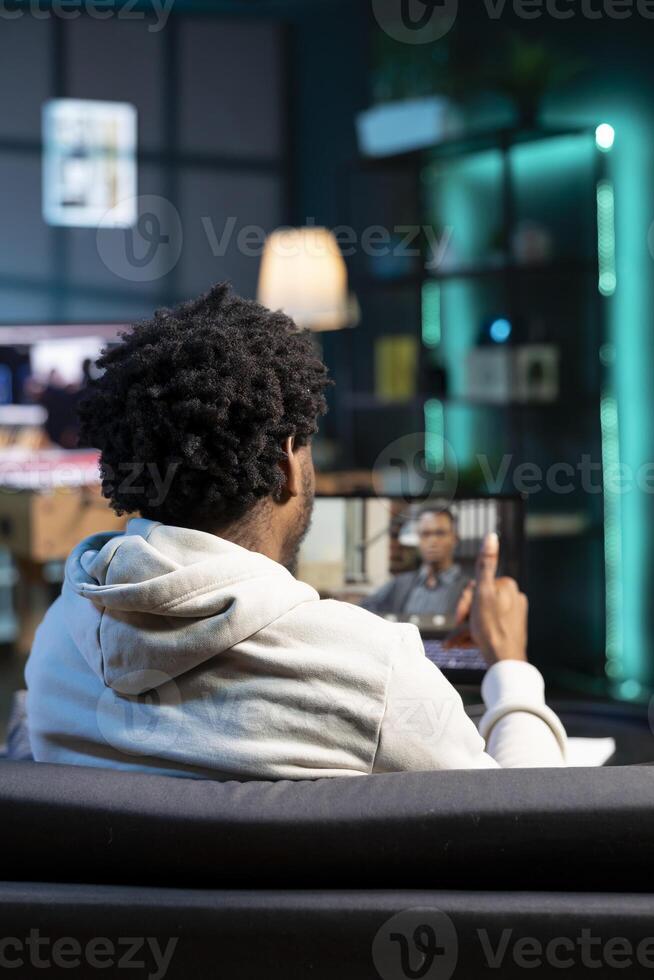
(318, 879)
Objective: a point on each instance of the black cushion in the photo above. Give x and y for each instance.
(329, 935)
(533, 829)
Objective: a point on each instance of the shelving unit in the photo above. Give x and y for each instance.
(488, 188)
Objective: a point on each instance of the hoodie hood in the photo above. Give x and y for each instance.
(151, 604)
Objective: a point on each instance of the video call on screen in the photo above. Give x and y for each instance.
(371, 551)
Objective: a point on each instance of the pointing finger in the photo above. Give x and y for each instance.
(487, 560)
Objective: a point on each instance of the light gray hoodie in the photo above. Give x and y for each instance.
(175, 651)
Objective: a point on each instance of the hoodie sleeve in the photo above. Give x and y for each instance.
(425, 725)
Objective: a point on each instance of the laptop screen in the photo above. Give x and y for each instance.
(409, 560)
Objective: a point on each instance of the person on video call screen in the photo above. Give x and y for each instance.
(435, 588)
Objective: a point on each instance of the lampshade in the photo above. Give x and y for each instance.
(303, 273)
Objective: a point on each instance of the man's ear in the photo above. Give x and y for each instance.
(290, 465)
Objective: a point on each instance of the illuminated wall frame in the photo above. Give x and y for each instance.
(89, 163)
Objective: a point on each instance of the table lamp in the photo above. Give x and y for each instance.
(303, 273)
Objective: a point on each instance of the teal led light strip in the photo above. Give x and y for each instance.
(616, 667)
(610, 447)
(434, 436)
(434, 412)
(612, 537)
(606, 237)
(431, 314)
(629, 323)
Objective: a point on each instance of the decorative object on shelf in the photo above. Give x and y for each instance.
(531, 244)
(396, 367)
(537, 373)
(303, 273)
(568, 525)
(412, 124)
(490, 375)
(501, 374)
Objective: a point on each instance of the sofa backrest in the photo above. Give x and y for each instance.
(535, 829)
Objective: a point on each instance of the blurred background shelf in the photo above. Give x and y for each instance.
(499, 227)
(562, 268)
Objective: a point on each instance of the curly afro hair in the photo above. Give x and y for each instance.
(199, 399)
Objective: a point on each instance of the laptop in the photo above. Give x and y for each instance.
(372, 551)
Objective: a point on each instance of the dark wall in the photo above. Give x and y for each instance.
(213, 136)
(245, 117)
(331, 65)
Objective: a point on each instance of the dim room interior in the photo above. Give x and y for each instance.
(455, 209)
